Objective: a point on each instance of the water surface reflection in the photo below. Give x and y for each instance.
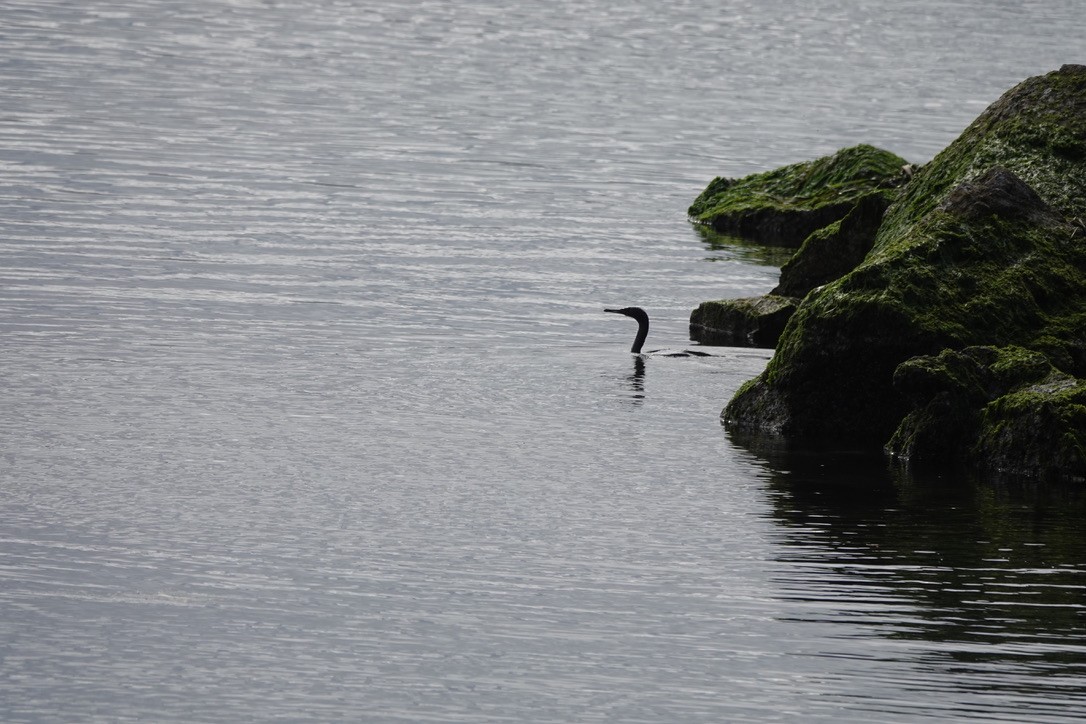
(983, 578)
(635, 382)
(726, 248)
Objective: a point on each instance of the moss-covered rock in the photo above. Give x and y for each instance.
(1039, 429)
(782, 207)
(832, 251)
(1005, 409)
(839, 199)
(748, 322)
(984, 246)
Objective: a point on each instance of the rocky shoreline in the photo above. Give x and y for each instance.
(938, 312)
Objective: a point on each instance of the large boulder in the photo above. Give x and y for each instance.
(986, 245)
(782, 207)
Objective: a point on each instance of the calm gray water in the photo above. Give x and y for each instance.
(311, 412)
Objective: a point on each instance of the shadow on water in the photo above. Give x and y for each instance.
(726, 248)
(987, 577)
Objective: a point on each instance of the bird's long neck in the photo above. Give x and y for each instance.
(642, 333)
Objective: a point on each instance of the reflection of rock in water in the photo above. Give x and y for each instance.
(990, 573)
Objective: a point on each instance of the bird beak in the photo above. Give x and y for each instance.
(614, 311)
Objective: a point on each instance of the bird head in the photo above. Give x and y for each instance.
(642, 318)
(636, 312)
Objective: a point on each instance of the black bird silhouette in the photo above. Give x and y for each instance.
(642, 318)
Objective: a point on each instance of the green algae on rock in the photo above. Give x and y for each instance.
(995, 408)
(782, 207)
(984, 246)
(848, 191)
(832, 251)
(1039, 429)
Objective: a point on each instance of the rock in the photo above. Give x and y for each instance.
(782, 207)
(949, 391)
(834, 250)
(997, 192)
(1037, 430)
(983, 247)
(995, 408)
(749, 322)
(839, 200)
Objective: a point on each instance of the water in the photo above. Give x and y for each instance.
(311, 411)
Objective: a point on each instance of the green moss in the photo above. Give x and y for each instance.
(1038, 429)
(746, 386)
(950, 392)
(1037, 130)
(834, 250)
(845, 176)
(956, 284)
(988, 281)
(786, 204)
(1063, 341)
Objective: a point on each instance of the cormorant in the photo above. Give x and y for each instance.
(642, 318)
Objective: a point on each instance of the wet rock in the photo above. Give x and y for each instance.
(749, 322)
(1038, 430)
(997, 192)
(995, 408)
(983, 247)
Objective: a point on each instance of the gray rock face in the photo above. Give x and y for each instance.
(997, 192)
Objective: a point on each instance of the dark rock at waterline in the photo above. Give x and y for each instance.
(1004, 409)
(749, 322)
(985, 246)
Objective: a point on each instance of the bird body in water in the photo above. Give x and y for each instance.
(642, 318)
